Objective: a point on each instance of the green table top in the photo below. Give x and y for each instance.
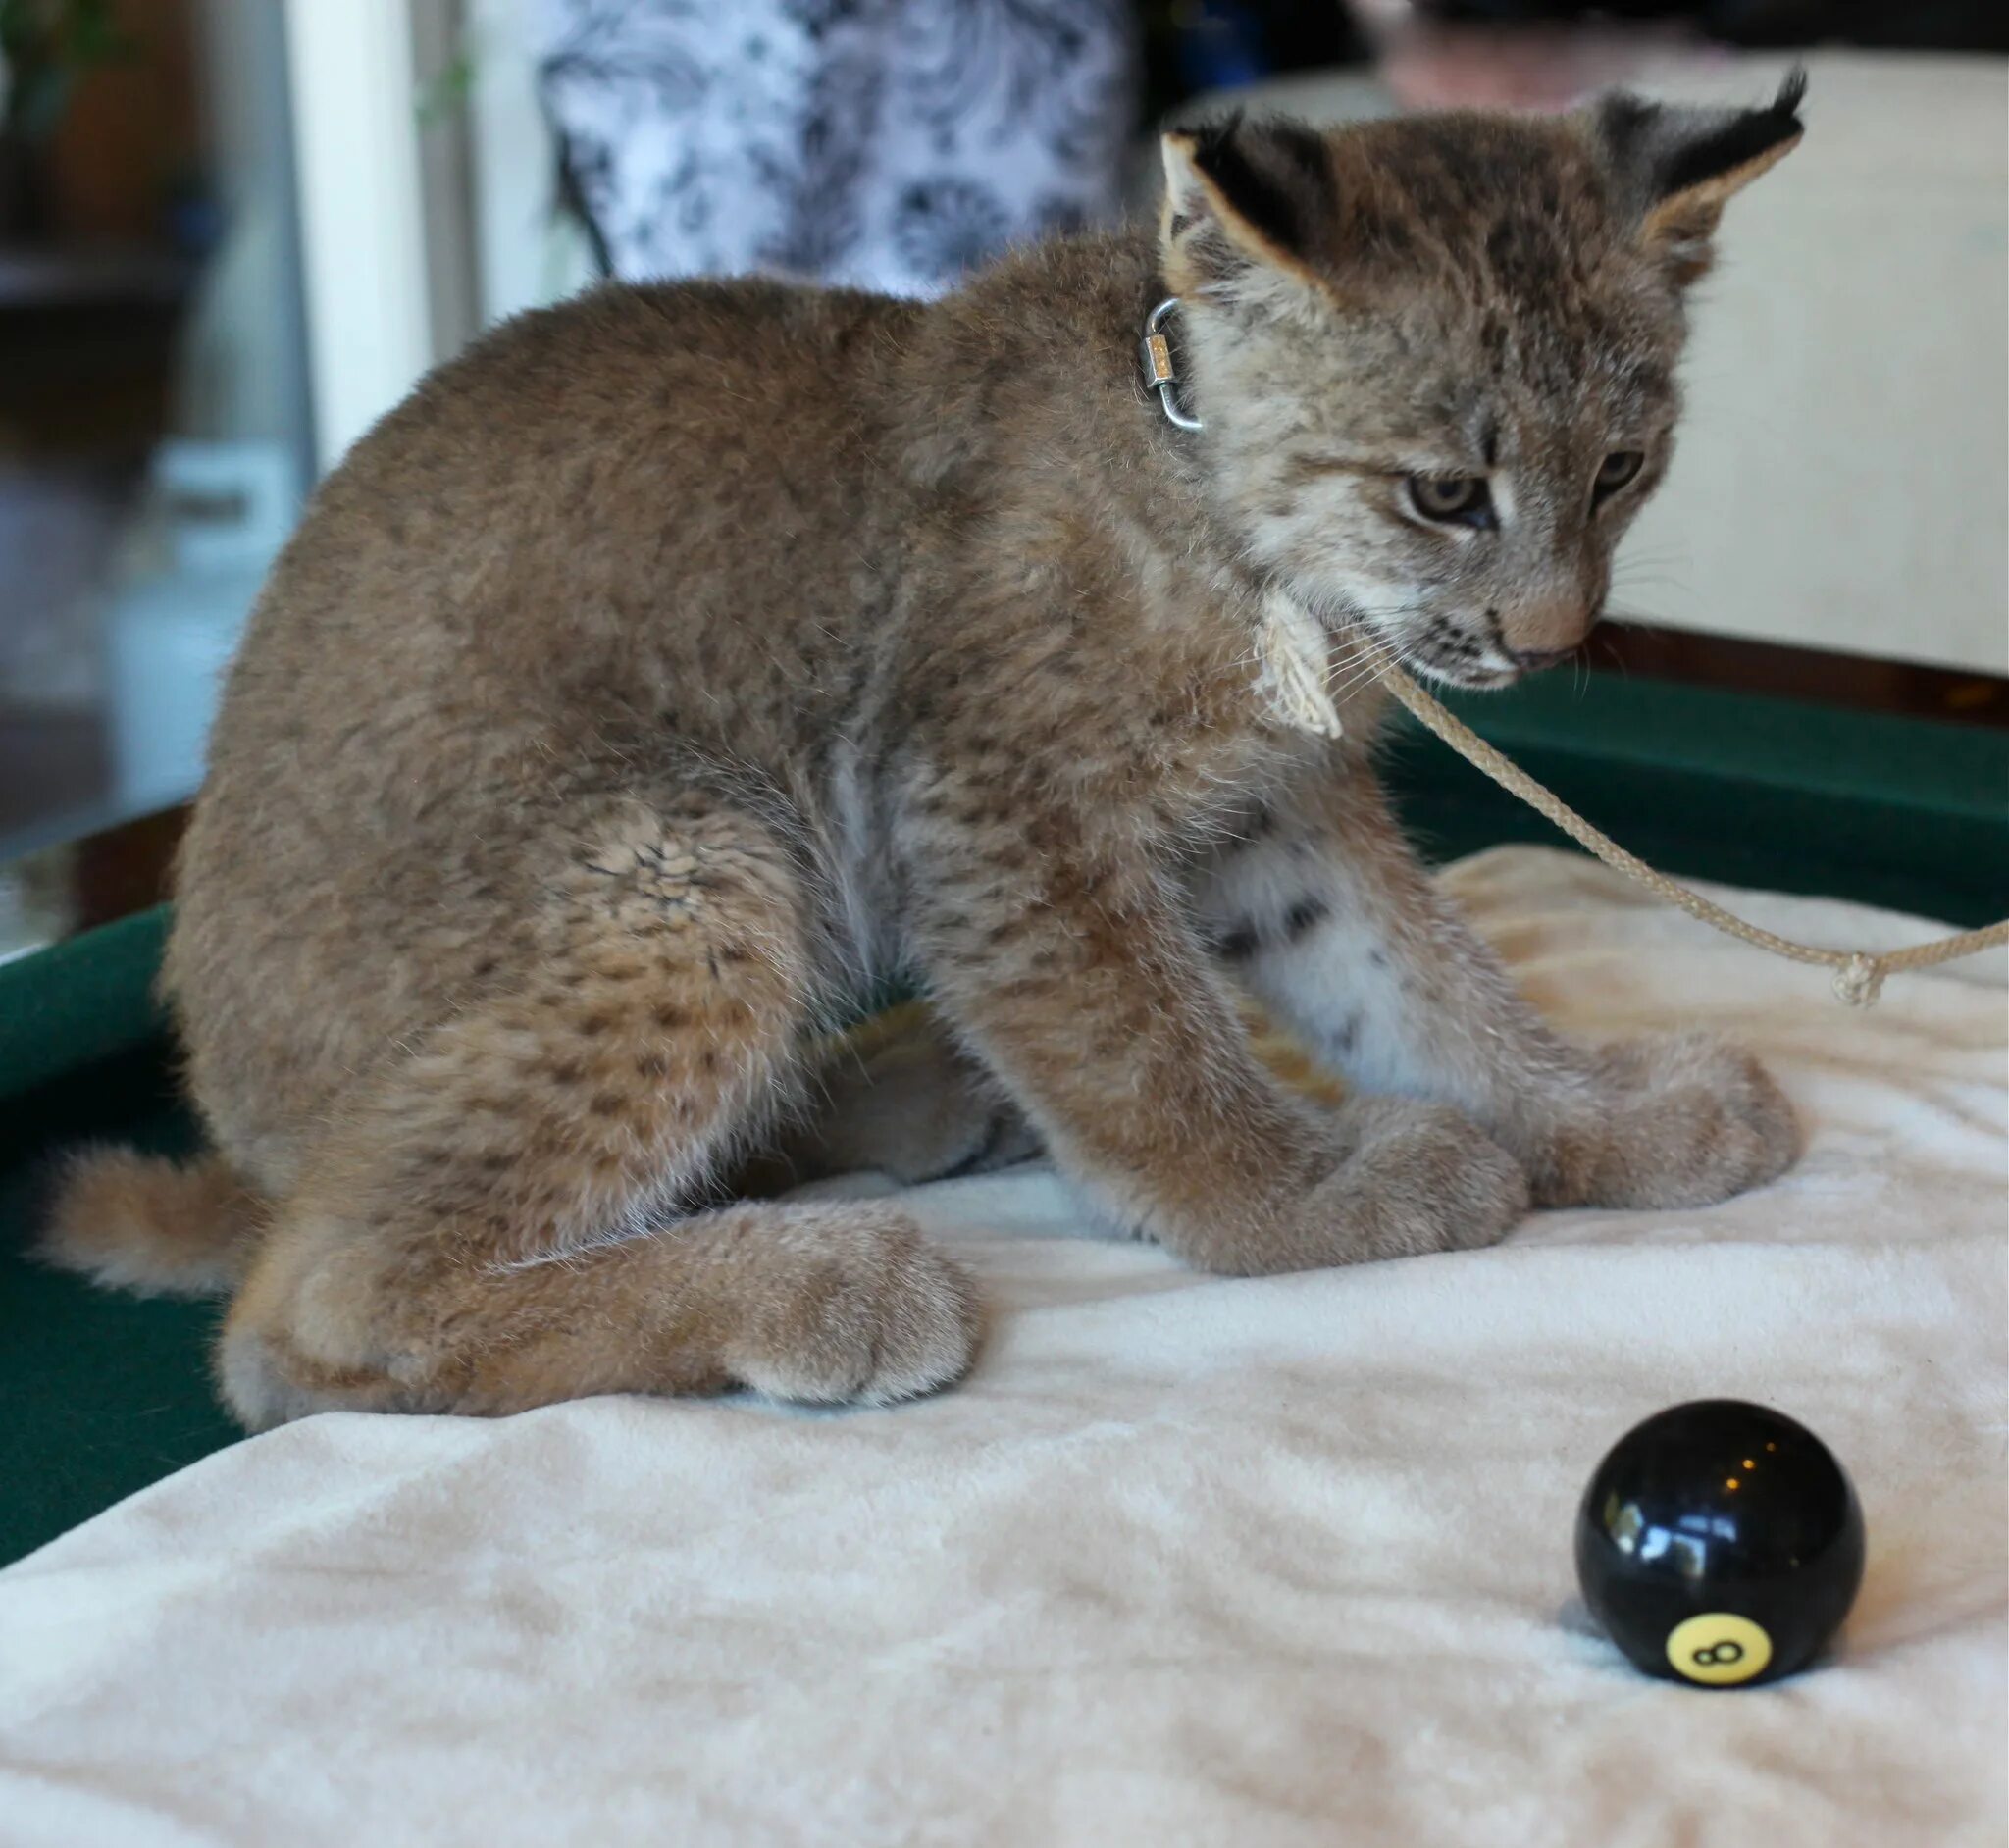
(100, 1393)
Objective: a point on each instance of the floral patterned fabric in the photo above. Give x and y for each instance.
(887, 144)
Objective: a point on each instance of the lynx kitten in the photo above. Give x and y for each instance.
(681, 661)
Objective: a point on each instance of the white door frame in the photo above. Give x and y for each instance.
(415, 234)
(351, 72)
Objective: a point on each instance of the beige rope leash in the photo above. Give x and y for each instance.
(1858, 974)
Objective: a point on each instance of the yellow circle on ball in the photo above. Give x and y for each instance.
(1718, 1649)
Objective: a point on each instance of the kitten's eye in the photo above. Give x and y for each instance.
(1616, 470)
(1459, 501)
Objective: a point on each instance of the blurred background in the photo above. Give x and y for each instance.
(235, 231)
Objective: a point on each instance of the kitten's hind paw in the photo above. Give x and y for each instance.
(869, 1311)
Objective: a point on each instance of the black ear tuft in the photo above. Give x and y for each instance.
(1734, 141)
(1792, 93)
(1276, 176)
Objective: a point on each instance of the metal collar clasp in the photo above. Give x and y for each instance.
(1159, 373)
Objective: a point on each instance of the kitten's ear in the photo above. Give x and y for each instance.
(1676, 168)
(1244, 202)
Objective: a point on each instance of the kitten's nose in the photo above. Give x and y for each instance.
(1550, 626)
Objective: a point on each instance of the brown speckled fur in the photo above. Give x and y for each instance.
(682, 660)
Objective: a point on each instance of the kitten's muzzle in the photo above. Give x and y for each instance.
(1534, 660)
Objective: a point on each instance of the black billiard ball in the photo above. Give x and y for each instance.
(1720, 1543)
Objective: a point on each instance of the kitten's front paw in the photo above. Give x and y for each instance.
(1412, 1178)
(1681, 1122)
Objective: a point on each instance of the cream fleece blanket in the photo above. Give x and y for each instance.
(1185, 1562)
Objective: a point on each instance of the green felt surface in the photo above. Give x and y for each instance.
(101, 1394)
(80, 1002)
(1756, 792)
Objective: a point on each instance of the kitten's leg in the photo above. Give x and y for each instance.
(1324, 914)
(898, 1096)
(491, 1222)
(1072, 973)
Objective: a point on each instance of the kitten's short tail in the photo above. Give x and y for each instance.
(159, 1227)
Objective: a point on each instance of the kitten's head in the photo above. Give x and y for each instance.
(1434, 358)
